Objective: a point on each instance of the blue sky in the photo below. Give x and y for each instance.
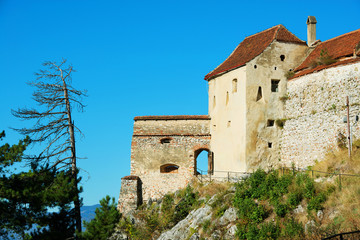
(136, 58)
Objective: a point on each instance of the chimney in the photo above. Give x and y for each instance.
(311, 30)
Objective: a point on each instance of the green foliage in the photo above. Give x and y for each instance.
(103, 225)
(186, 204)
(157, 218)
(26, 196)
(253, 232)
(281, 209)
(280, 122)
(249, 210)
(206, 225)
(323, 59)
(289, 74)
(315, 202)
(294, 198)
(293, 229)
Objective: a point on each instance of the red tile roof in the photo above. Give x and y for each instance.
(253, 46)
(322, 67)
(338, 47)
(176, 117)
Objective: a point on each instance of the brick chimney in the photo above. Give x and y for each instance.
(311, 30)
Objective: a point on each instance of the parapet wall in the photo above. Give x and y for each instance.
(315, 110)
(163, 151)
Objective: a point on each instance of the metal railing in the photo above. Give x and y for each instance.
(344, 236)
(317, 173)
(230, 176)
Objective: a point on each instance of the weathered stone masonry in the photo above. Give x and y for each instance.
(170, 143)
(315, 111)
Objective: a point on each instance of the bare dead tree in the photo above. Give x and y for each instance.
(54, 125)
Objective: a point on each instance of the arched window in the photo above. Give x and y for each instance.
(203, 162)
(169, 168)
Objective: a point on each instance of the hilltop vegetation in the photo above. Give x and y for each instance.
(274, 205)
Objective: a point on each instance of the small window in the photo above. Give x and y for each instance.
(169, 168)
(270, 123)
(234, 85)
(255, 66)
(228, 123)
(275, 85)
(227, 98)
(275, 68)
(165, 140)
(259, 94)
(269, 144)
(282, 57)
(214, 102)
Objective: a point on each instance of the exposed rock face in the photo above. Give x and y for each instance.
(229, 216)
(193, 220)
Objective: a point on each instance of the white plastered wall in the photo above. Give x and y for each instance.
(228, 126)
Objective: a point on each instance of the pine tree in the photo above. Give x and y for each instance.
(103, 225)
(25, 198)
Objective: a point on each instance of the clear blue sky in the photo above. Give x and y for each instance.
(137, 58)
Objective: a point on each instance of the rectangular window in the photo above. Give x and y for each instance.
(234, 85)
(275, 85)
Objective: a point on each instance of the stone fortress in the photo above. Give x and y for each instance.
(275, 101)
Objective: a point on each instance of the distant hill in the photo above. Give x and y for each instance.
(88, 212)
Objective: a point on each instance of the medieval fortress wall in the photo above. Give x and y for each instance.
(315, 111)
(163, 151)
(248, 93)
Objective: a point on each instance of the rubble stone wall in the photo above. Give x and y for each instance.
(314, 114)
(161, 142)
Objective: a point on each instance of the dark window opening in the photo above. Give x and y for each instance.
(275, 68)
(255, 66)
(165, 140)
(169, 168)
(269, 144)
(275, 85)
(282, 57)
(259, 94)
(270, 123)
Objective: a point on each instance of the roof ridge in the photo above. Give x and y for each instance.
(345, 34)
(282, 26)
(262, 31)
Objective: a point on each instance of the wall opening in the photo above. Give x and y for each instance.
(165, 140)
(214, 102)
(169, 168)
(269, 144)
(282, 57)
(270, 122)
(255, 66)
(259, 94)
(275, 85)
(234, 85)
(227, 98)
(204, 162)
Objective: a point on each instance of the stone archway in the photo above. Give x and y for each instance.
(210, 161)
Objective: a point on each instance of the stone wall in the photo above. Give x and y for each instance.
(167, 140)
(130, 194)
(315, 110)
